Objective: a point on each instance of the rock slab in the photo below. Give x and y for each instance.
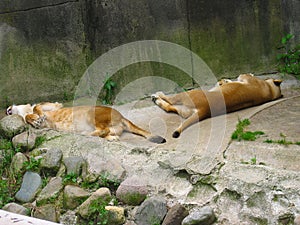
(11, 126)
(16, 208)
(203, 216)
(102, 194)
(51, 160)
(73, 196)
(31, 184)
(132, 191)
(151, 211)
(51, 190)
(175, 215)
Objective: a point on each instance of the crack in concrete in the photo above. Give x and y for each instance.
(37, 8)
(189, 38)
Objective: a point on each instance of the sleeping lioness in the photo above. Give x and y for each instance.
(229, 96)
(99, 121)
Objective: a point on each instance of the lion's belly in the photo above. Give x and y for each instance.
(81, 127)
(77, 122)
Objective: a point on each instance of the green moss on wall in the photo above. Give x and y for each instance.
(48, 57)
(239, 39)
(39, 71)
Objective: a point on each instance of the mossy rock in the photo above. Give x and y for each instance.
(11, 126)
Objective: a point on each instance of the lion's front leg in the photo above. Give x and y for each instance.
(176, 99)
(161, 100)
(35, 120)
(173, 104)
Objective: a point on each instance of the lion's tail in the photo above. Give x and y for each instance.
(132, 128)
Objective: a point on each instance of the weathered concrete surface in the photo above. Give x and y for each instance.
(278, 125)
(284, 157)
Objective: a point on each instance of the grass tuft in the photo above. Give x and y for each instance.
(240, 133)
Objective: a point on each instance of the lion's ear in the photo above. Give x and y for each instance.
(277, 82)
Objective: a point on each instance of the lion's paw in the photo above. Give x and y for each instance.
(38, 122)
(156, 96)
(112, 138)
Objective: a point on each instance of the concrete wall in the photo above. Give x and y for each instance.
(46, 45)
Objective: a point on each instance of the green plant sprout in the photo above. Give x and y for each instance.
(253, 160)
(70, 178)
(39, 141)
(289, 60)
(98, 215)
(239, 134)
(106, 181)
(109, 86)
(33, 164)
(9, 182)
(282, 141)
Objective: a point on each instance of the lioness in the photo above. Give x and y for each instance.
(99, 121)
(230, 96)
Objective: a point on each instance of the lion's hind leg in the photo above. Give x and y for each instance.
(188, 122)
(112, 138)
(197, 116)
(115, 132)
(100, 132)
(110, 134)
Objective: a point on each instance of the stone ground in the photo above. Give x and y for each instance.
(171, 169)
(279, 122)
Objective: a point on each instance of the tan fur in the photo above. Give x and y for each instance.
(196, 105)
(99, 121)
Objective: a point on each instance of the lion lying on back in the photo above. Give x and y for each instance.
(99, 121)
(229, 96)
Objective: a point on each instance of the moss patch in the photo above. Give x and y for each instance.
(39, 71)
